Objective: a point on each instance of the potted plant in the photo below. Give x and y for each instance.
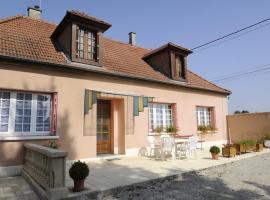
(171, 129)
(229, 150)
(203, 129)
(215, 150)
(78, 172)
(250, 145)
(259, 146)
(267, 141)
(53, 144)
(158, 129)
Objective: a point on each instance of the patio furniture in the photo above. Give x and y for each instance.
(181, 148)
(155, 147)
(201, 141)
(167, 146)
(192, 146)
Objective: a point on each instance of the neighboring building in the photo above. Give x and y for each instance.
(94, 95)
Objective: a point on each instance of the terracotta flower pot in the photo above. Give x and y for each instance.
(215, 156)
(78, 185)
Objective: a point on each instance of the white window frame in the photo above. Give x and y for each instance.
(12, 114)
(205, 113)
(163, 107)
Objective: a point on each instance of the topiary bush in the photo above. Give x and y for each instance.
(215, 150)
(79, 170)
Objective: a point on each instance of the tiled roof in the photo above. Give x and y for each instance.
(25, 38)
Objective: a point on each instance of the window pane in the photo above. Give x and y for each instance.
(4, 110)
(204, 116)
(43, 119)
(159, 116)
(79, 44)
(23, 112)
(91, 45)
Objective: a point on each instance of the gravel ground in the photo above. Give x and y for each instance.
(245, 179)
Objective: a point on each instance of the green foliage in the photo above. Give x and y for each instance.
(79, 170)
(53, 145)
(158, 129)
(204, 129)
(239, 112)
(244, 111)
(249, 143)
(171, 129)
(215, 150)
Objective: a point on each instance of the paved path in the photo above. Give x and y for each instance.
(16, 188)
(106, 175)
(245, 179)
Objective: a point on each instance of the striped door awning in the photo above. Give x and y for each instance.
(139, 102)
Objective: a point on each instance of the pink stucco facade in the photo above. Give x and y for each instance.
(70, 86)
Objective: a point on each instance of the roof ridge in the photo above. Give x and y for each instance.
(125, 43)
(208, 81)
(40, 20)
(7, 19)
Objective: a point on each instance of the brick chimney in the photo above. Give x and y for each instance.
(34, 12)
(132, 38)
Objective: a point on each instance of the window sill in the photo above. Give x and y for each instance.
(200, 132)
(34, 137)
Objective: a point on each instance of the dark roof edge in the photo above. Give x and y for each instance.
(117, 74)
(165, 46)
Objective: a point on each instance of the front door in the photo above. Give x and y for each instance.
(103, 126)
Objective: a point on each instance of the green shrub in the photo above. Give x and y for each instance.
(79, 171)
(205, 129)
(53, 144)
(215, 150)
(249, 143)
(171, 129)
(202, 128)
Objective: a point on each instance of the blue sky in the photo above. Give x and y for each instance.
(187, 23)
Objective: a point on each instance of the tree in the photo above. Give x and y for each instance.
(237, 112)
(245, 111)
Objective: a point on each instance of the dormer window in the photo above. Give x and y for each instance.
(170, 60)
(179, 66)
(86, 46)
(79, 37)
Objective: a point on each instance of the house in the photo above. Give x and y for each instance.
(94, 95)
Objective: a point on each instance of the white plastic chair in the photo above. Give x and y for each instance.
(192, 146)
(155, 148)
(167, 145)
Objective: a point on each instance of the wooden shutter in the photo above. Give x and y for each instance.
(136, 106)
(141, 107)
(54, 113)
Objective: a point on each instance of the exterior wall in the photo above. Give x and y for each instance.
(70, 86)
(248, 126)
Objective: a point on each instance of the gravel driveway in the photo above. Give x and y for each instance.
(245, 179)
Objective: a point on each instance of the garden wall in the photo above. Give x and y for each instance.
(248, 126)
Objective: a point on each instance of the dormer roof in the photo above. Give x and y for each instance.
(168, 46)
(82, 18)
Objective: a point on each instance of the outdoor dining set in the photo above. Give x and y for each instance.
(174, 146)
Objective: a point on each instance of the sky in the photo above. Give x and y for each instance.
(188, 23)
